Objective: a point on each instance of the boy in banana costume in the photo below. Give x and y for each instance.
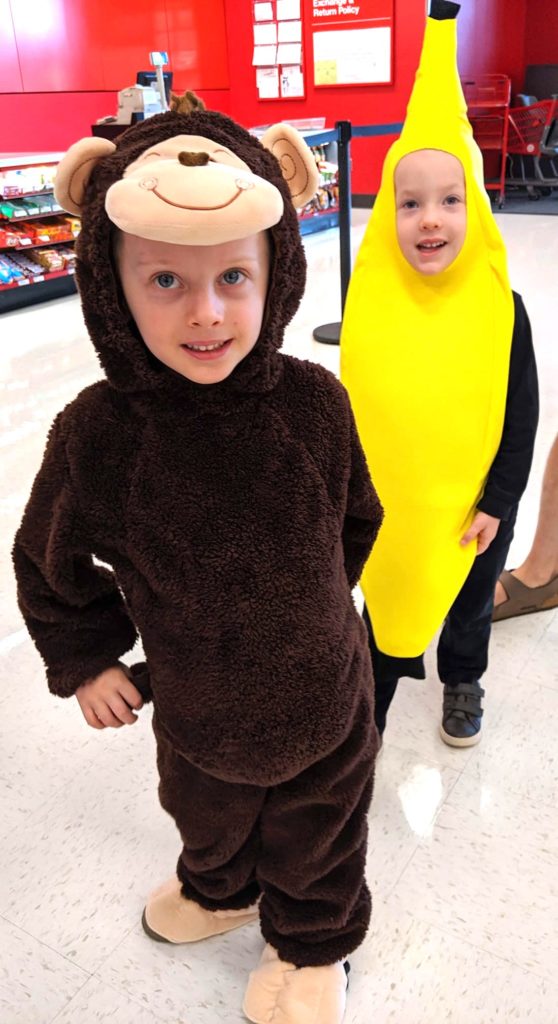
(438, 360)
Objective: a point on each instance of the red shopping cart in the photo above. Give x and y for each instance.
(488, 103)
(533, 146)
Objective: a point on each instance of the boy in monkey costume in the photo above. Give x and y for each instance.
(225, 485)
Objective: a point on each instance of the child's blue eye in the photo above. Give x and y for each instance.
(410, 204)
(233, 276)
(166, 280)
(452, 200)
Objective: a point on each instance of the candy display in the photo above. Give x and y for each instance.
(22, 180)
(36, 235)
(327, 196)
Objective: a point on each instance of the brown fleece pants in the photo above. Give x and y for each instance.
(301, 845)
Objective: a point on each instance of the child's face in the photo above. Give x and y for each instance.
(198, 308)
(431, 209)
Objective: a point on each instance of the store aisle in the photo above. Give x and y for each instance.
(463, 844)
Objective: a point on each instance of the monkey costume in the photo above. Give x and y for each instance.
(236, 518)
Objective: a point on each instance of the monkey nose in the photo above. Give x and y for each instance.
(188, 159)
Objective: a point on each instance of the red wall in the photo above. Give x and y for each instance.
(62, 62)
(541, 35)
(50, 122)
(360, 104)
(68, 48)
(492, 37)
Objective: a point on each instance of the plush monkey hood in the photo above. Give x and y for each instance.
(188, 179)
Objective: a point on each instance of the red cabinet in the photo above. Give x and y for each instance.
(10, 76)
(59, 44)
(198, 44)
(138, 29)
(96, 45)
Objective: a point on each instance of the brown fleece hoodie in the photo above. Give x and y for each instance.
(236, 517)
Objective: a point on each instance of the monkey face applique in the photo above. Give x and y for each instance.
(191, 191)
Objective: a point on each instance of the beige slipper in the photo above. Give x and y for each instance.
(522, 600)
(280, 993)
(170, 917)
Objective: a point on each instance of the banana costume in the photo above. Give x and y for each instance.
(426, 360)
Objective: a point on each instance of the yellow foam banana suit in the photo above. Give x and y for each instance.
(425, 359)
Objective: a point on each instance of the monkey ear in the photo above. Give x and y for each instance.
(75, 169)
(296, 160)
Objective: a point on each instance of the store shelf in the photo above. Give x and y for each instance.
(31, 216)
(319, 222)
(39, 289)
(27, 195)
(36, 171)
(37, 245)
(37, 279)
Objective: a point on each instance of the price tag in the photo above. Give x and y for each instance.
(39, 277)
(21, 283)
(44, 238)
(25, 241)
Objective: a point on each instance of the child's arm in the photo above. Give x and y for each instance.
(363, 514)
(509, 472)
(73, 608)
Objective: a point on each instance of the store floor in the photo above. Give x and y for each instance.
(463, 843)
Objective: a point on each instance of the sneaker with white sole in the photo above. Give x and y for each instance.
(462, 714)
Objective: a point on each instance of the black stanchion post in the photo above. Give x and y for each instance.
(329, 334)
(344, 149)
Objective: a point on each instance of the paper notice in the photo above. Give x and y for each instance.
(264, 35)
(263, 12)
(292, 82)
(290, 31)
(288, 10)
(264, 55)
(267, 80)
(289, 53)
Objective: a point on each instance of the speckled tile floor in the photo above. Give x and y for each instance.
(463, 844)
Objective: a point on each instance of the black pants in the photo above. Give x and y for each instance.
(463, 643)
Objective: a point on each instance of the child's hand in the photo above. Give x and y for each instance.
(108, 699)
(484, 527)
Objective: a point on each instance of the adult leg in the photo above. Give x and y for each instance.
(463, 644)
(540, 567)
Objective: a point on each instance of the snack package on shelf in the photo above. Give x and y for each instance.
(30, 206)
(13, 270)
(9, 209)
(69, 257)
(74, 225)
(9, 236)
(28, 264)
(50, 259)
(9, 272)
(21, 234)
